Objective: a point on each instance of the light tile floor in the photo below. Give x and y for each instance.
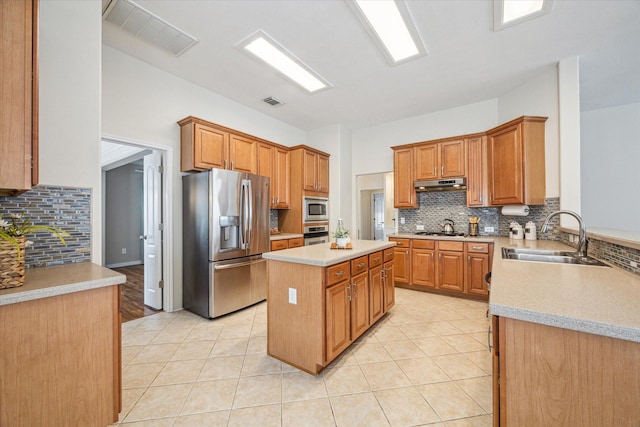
(425, 363)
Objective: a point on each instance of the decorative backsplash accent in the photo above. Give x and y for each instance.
(436, 206)
(273, 218)
(63, 207)
(615, 254)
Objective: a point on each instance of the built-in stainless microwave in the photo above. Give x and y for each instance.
(315, 209)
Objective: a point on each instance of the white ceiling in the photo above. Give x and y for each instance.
(467, 61)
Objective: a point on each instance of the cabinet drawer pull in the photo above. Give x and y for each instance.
(477, 248)
(442, 171)
(489, 339)
(376, 259)
(339, 273)
(349, 293)
(354, 290)
(361, 264)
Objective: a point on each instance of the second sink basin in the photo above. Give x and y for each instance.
(558, 257)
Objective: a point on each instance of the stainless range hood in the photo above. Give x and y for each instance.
(453, 184)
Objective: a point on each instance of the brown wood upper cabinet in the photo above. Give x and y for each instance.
(18, 96)
(315, 172)
(477, 171)
(273, 161)
(205, 145)
(515, 162)
(440, 160)
(403, 176)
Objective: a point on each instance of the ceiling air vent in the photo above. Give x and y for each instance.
(273, 101)
(140, 22)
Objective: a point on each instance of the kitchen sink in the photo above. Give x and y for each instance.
(540, 255)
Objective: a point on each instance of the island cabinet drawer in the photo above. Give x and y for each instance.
(400, 243)
(445, 245)
(423, 244)
(278, 245)
(337, 273)
(482, 248)
(359, 265)
(375, 259)
(388, 255)
(296, 243)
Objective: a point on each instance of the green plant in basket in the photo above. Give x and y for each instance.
(18, 226)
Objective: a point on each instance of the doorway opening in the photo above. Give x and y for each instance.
(375, 212)
(134, 206)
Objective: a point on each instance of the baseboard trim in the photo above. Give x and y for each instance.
(124, 264)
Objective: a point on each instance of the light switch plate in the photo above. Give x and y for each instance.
(419, 227)
(293, 296)
(402, 220)
(489, 229)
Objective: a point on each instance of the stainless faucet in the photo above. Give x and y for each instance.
(581, 250)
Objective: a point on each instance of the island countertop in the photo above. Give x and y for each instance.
(323, 256)
(43, 282)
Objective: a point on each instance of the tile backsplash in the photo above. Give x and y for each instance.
(68, 208)
(434, 207)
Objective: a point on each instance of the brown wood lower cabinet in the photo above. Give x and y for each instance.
(60, 360)
(448, 266)
(333, 307)
(549, 376)
(280, 244)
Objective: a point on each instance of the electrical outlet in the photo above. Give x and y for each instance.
(402, 220)
(420, 227)
(633, 264)
(293, 296)
(489, 229)
(124, 251)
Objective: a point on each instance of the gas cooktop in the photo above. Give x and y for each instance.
(439, 233)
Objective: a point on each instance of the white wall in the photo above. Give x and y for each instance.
(538, 97)
(69, 73)
(336, 141)
(610, 172)
(143, 103)
(371, 146)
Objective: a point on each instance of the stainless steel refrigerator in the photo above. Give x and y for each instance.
(225, 218)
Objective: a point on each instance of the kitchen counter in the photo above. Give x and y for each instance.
(596, 300)
(487, 239)
(322, 256)
(283, 236)
(44, 282)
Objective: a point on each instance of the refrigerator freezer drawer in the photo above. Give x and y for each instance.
(237, 284)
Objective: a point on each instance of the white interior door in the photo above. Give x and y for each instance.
(153, 230)
(378, 216)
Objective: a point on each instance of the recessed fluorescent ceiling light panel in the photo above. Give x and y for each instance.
(511, 12)
(391, 26)
(140, 22)
(267, 50)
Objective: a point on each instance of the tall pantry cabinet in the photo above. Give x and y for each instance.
(18, 96)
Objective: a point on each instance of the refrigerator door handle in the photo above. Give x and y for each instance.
(240, 264)
(245, 207)
(249, 215)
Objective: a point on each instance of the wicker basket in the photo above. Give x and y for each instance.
(11, 267)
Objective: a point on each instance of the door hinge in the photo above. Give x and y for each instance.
(161, 227)
(161, 169)
(161, 284)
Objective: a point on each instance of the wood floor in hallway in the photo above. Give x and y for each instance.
(133, 293)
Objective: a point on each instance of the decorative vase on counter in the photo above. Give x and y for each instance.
(12, 263)
(342, 241)
(341, 235)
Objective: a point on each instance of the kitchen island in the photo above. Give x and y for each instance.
(320, 300)
(566, 342)
(60, 347)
